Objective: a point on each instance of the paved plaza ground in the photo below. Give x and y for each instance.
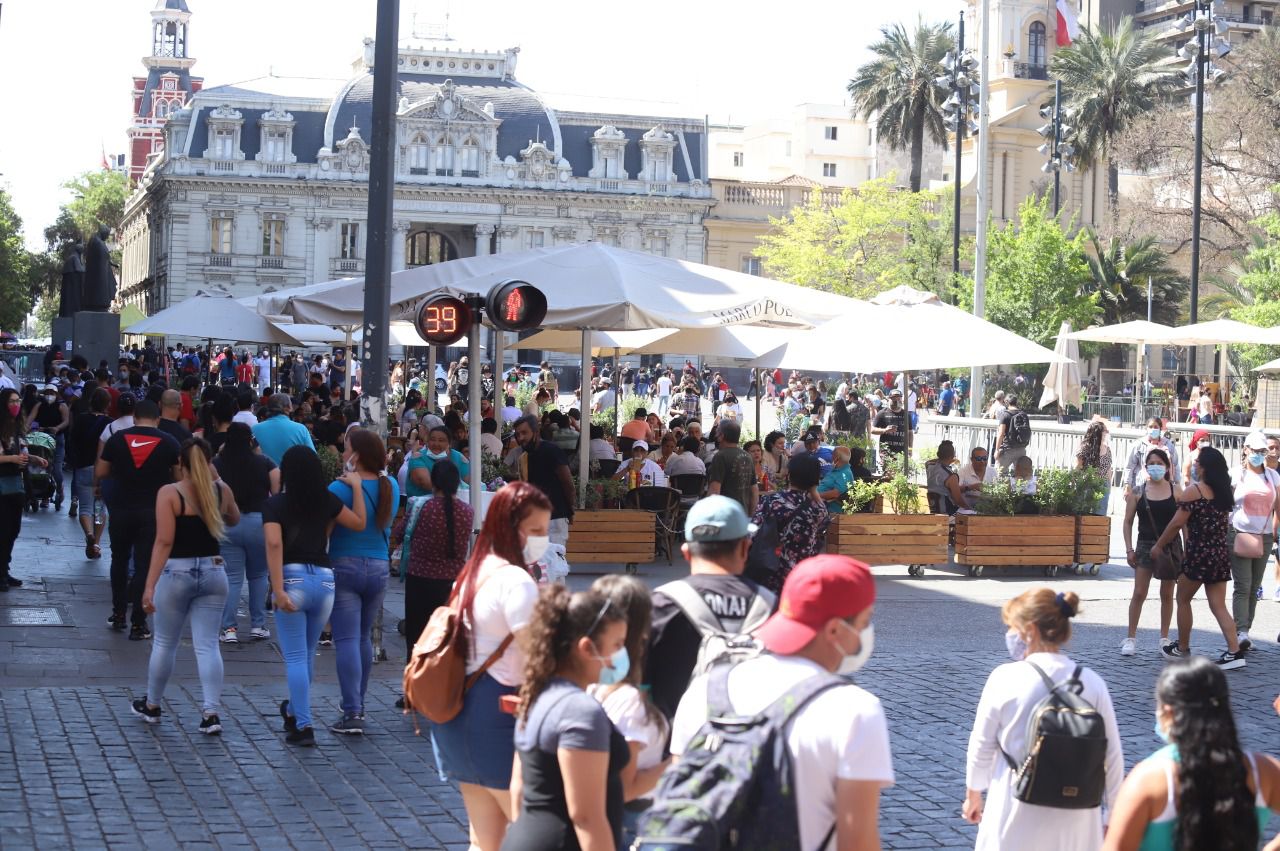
(77, 770)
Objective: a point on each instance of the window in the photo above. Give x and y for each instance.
(426, 247)
(220, 235)
(828, 169)
(273, 238)
(470, 159)
(224, 144)
(831, 134)
(162, 109)
(658, 245)
(419, 156)
(870, 137)
(752, 266)
(275, 145)
(612, 165)
(350, 249)
(737, 159)
(871, 171)
(443, 157)
(536, 239)
(1036, 44)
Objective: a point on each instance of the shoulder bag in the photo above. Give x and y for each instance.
(1168, 565)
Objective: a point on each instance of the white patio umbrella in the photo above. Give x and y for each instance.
(619, 342)
(1269, 366)
(313, 334)
(213, 316)
(1062, 381)
(402, 333)
(1223, 332)
(1138, 331)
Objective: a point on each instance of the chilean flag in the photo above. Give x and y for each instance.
(1068, 23)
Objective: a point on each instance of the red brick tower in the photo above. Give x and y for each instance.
(168, 84)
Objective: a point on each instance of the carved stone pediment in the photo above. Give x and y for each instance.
(446, 105)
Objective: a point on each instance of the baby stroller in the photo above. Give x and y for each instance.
(40, 487)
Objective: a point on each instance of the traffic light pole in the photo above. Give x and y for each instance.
(961, 119)
(476, 304)
(377, 273)
(1057, 139)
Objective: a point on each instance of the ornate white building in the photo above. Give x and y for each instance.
(263, 185)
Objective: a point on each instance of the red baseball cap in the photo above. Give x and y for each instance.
(817, 590)
(1200, 434)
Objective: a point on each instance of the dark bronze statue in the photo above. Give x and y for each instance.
(72, 283)
(99, 280)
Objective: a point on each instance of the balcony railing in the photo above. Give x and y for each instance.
(1028, 71)
(219, 259)
(755, 196)
(268, 262)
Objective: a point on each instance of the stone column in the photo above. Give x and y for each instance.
(508, 238)
(399, 232)
(484, 240)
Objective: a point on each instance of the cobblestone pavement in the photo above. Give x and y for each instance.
(77, 770)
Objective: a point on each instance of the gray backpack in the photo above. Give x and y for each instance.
(719, 645)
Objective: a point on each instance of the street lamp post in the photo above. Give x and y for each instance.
(959, 72)
(1056, 147)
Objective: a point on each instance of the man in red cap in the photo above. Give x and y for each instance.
(839, 741)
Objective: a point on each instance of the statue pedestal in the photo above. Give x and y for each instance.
(93, 334)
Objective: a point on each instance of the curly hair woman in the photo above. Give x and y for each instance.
(568, 789)
(496, 595)
(1201, 790)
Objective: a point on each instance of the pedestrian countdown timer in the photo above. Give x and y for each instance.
(443, 320)
(515, 306)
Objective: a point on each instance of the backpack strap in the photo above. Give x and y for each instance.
(781, 711)
(761, 609)
(694, 607)
(1072, 684)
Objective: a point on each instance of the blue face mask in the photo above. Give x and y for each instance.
(1257, 459)
(1155, 472)
(615, 668)
(1195, 473)
(1160, 732)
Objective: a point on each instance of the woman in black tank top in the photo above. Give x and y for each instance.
(187, 580)
(1153, 505)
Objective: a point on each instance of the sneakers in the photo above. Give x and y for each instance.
(117, 621)
(1229, 661)
(1259, 592)
(13, 582)
(349, 725)
(149, 714)
(1245, 643)
(259, 633)
(1172, 651)
(290, 723)
(228, 636)
(210, 725)
(304, 738)
(1276, 596)
(139, 633)
(326, 639)
(1128, 647)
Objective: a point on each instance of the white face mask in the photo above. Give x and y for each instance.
(1015, 644)
(534, 547)
(866, 643)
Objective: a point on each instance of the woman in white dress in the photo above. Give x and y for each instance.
(1039, 624)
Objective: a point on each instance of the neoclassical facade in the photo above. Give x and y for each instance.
(263, 185)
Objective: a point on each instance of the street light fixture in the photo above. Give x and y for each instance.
(1056, 148)
(960, 75)
(1209, 27)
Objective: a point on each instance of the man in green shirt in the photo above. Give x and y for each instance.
(732, 473)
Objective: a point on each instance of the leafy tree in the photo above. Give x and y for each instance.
(877, 237)
(898, 88)
(1037, 276)
(98, 198)
(1118, 277)
(1109, 79)
(15, 268)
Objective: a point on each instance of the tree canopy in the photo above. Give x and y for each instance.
(15, 268)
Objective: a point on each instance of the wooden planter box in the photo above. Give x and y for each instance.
(1024, 539)
(1093, 539)
(890, 538)
(617, 536)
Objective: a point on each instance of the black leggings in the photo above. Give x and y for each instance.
(421, 597)
(10, 526)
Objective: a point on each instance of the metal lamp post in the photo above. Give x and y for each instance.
(960, 72)
(1058, 150)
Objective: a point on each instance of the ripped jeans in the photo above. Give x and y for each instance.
(310, 587)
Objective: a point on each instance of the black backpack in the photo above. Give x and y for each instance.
(1019, 430)
(763, 562)
(1065, 763)
(733, 788)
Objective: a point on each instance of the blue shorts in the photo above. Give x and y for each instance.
(479, 745)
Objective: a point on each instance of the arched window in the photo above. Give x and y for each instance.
(443, 156)
(1036, 44)
(470, 157)
(419, 154)
(425, 247)
(162, 109)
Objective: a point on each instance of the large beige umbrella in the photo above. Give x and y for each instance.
(618, 342)
(213, 316)
(1062, 381)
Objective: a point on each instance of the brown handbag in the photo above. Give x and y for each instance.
(1167, 565)
(435, 680)
(1247, 545)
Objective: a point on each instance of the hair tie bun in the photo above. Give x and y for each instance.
(1064, 605)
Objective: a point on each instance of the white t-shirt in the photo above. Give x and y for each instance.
(245, 417)
(625, 708)
(841, 734)
(664, 386)
(492, 444)
(684, 463)
(1255, 495)
(503, 605)
(118, 424)
(969, 476)
(264, 370)
(650, 473)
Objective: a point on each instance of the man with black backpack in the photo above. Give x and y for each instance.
(1013, 434)
(712, 612)
(779, 751)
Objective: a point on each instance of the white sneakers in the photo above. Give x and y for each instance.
(258, 633)
(228, 636)
(1243, 639)
(1128, 647)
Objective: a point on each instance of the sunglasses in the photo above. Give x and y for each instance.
(977, 457)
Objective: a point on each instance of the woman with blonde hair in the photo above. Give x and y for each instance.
(187, 579)
(1039, 624)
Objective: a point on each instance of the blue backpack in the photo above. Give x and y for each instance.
(733, 787)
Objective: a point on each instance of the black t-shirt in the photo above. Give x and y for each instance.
(82, 445)
(545, 460)
(896, 440)
(174, 429)
(674, 640)
(308, 541)
(250, 483)
(1002, 419)
(330, 433)
(142, 459)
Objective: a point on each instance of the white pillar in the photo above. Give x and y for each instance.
(400, 231)
(484, 240)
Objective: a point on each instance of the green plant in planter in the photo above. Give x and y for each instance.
(902, 494)
(998, 498)
(1069, 491)
(630, 404)
(843, 439)
(925, 454)
(604, 419)
(860, 495)
(602, 493)
(491, 468)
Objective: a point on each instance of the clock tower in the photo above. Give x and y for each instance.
(168, 85)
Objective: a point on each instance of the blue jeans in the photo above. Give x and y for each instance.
(361, 586)
(311, 589)
(195, 588)
(82, 490)
(245, 551)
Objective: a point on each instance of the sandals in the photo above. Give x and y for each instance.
(91, 549)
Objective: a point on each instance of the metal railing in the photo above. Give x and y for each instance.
(1128, 409)
(1029, 71)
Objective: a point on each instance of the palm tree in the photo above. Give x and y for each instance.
(898, 88)
(1108, 81)
(1119, 273)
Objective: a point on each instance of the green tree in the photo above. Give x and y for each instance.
(1037, 276)
(1119, 274)
(15, 268)
(898, 89)
(98, 197)
(875, 238)
(1109, 80)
